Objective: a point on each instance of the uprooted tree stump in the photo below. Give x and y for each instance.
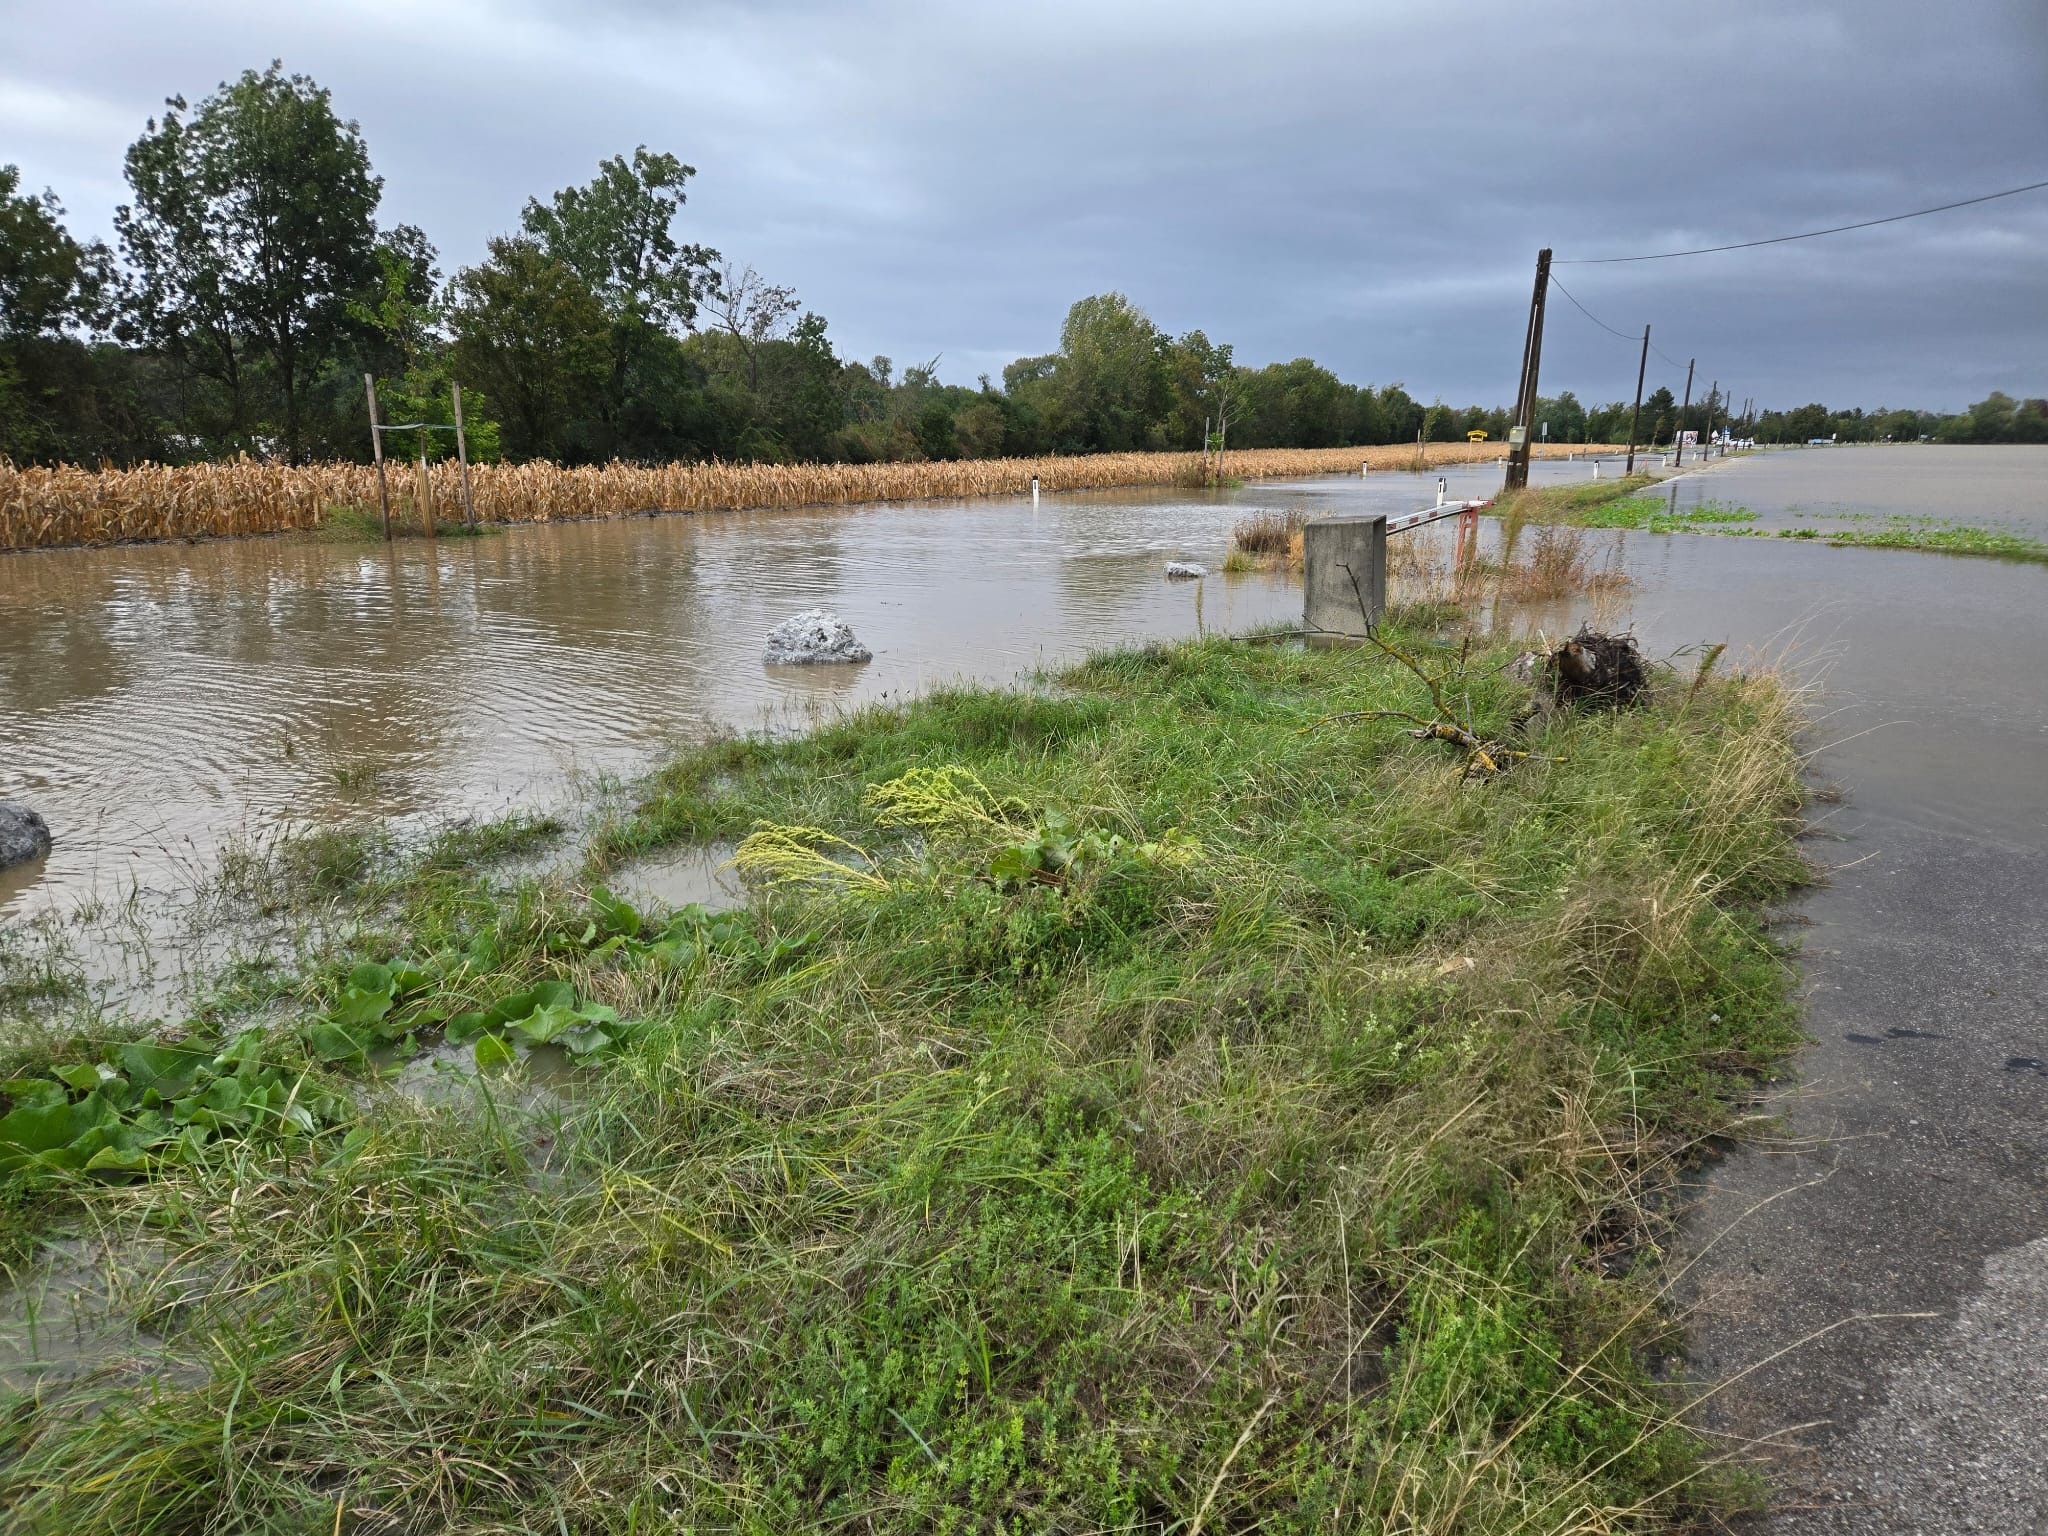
(1604, 671)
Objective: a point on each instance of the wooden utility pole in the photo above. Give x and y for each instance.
(462, 458)
(1713, 396)
(1635, 415)
(1679, 434)
(1517, 475)
(377, 453)
(426, 490)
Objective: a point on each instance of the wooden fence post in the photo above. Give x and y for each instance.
(462, 458)
(377, 453)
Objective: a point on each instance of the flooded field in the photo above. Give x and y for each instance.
(2004, 490)
(159, 703)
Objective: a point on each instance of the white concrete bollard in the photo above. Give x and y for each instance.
(1440, 490)
(1034, 490)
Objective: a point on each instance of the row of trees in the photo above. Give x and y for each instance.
(1998, 418)
(251, 286)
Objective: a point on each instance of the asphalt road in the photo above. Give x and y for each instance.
(1911, 1177)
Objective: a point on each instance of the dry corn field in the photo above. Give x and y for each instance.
(46, 508)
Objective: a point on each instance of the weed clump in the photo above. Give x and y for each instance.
(1266, 541)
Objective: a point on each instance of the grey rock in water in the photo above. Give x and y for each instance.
(23, 835)
(1185, 570)
(812, 637)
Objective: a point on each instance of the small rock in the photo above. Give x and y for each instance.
(23, 835)
(812, 637)
(1184, 570)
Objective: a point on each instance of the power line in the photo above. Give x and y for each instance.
(1610, 330)
(1811, 234)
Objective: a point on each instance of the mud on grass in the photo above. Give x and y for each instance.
(1190, 1116)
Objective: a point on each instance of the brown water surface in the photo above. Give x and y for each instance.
(159, 701)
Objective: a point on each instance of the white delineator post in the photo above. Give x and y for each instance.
(1034, 490)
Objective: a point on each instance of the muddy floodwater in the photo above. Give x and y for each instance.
(159, 702)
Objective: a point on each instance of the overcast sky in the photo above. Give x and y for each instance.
(1362, 183)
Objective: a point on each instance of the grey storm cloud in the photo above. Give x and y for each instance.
(1365, 184)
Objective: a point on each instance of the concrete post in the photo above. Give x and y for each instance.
(1330, 603)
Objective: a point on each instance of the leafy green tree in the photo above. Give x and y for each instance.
(1806, 423)
(49, 282)
(1900, 426)
(1660, 410)
(1110, 382)
(1397, 414)
(1206, 388)
(58, 397)
(252, 226)
(937, 437)
(1998, 418)
(532, 335)
(807, 404)
(617, 233)
(983, 428)
(398, 313)
(1564, 415)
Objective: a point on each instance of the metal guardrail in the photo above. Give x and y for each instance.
(1437, 513)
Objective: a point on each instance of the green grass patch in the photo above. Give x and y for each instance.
(477, 845)
(1935, 537)
(1558, 502)
(1130, 1107)
(1620, 504)
(1617, 504)
(353, 523)
(1654, 514)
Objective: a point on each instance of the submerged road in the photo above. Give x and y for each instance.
(1913, 1179)
(1872, 1282)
